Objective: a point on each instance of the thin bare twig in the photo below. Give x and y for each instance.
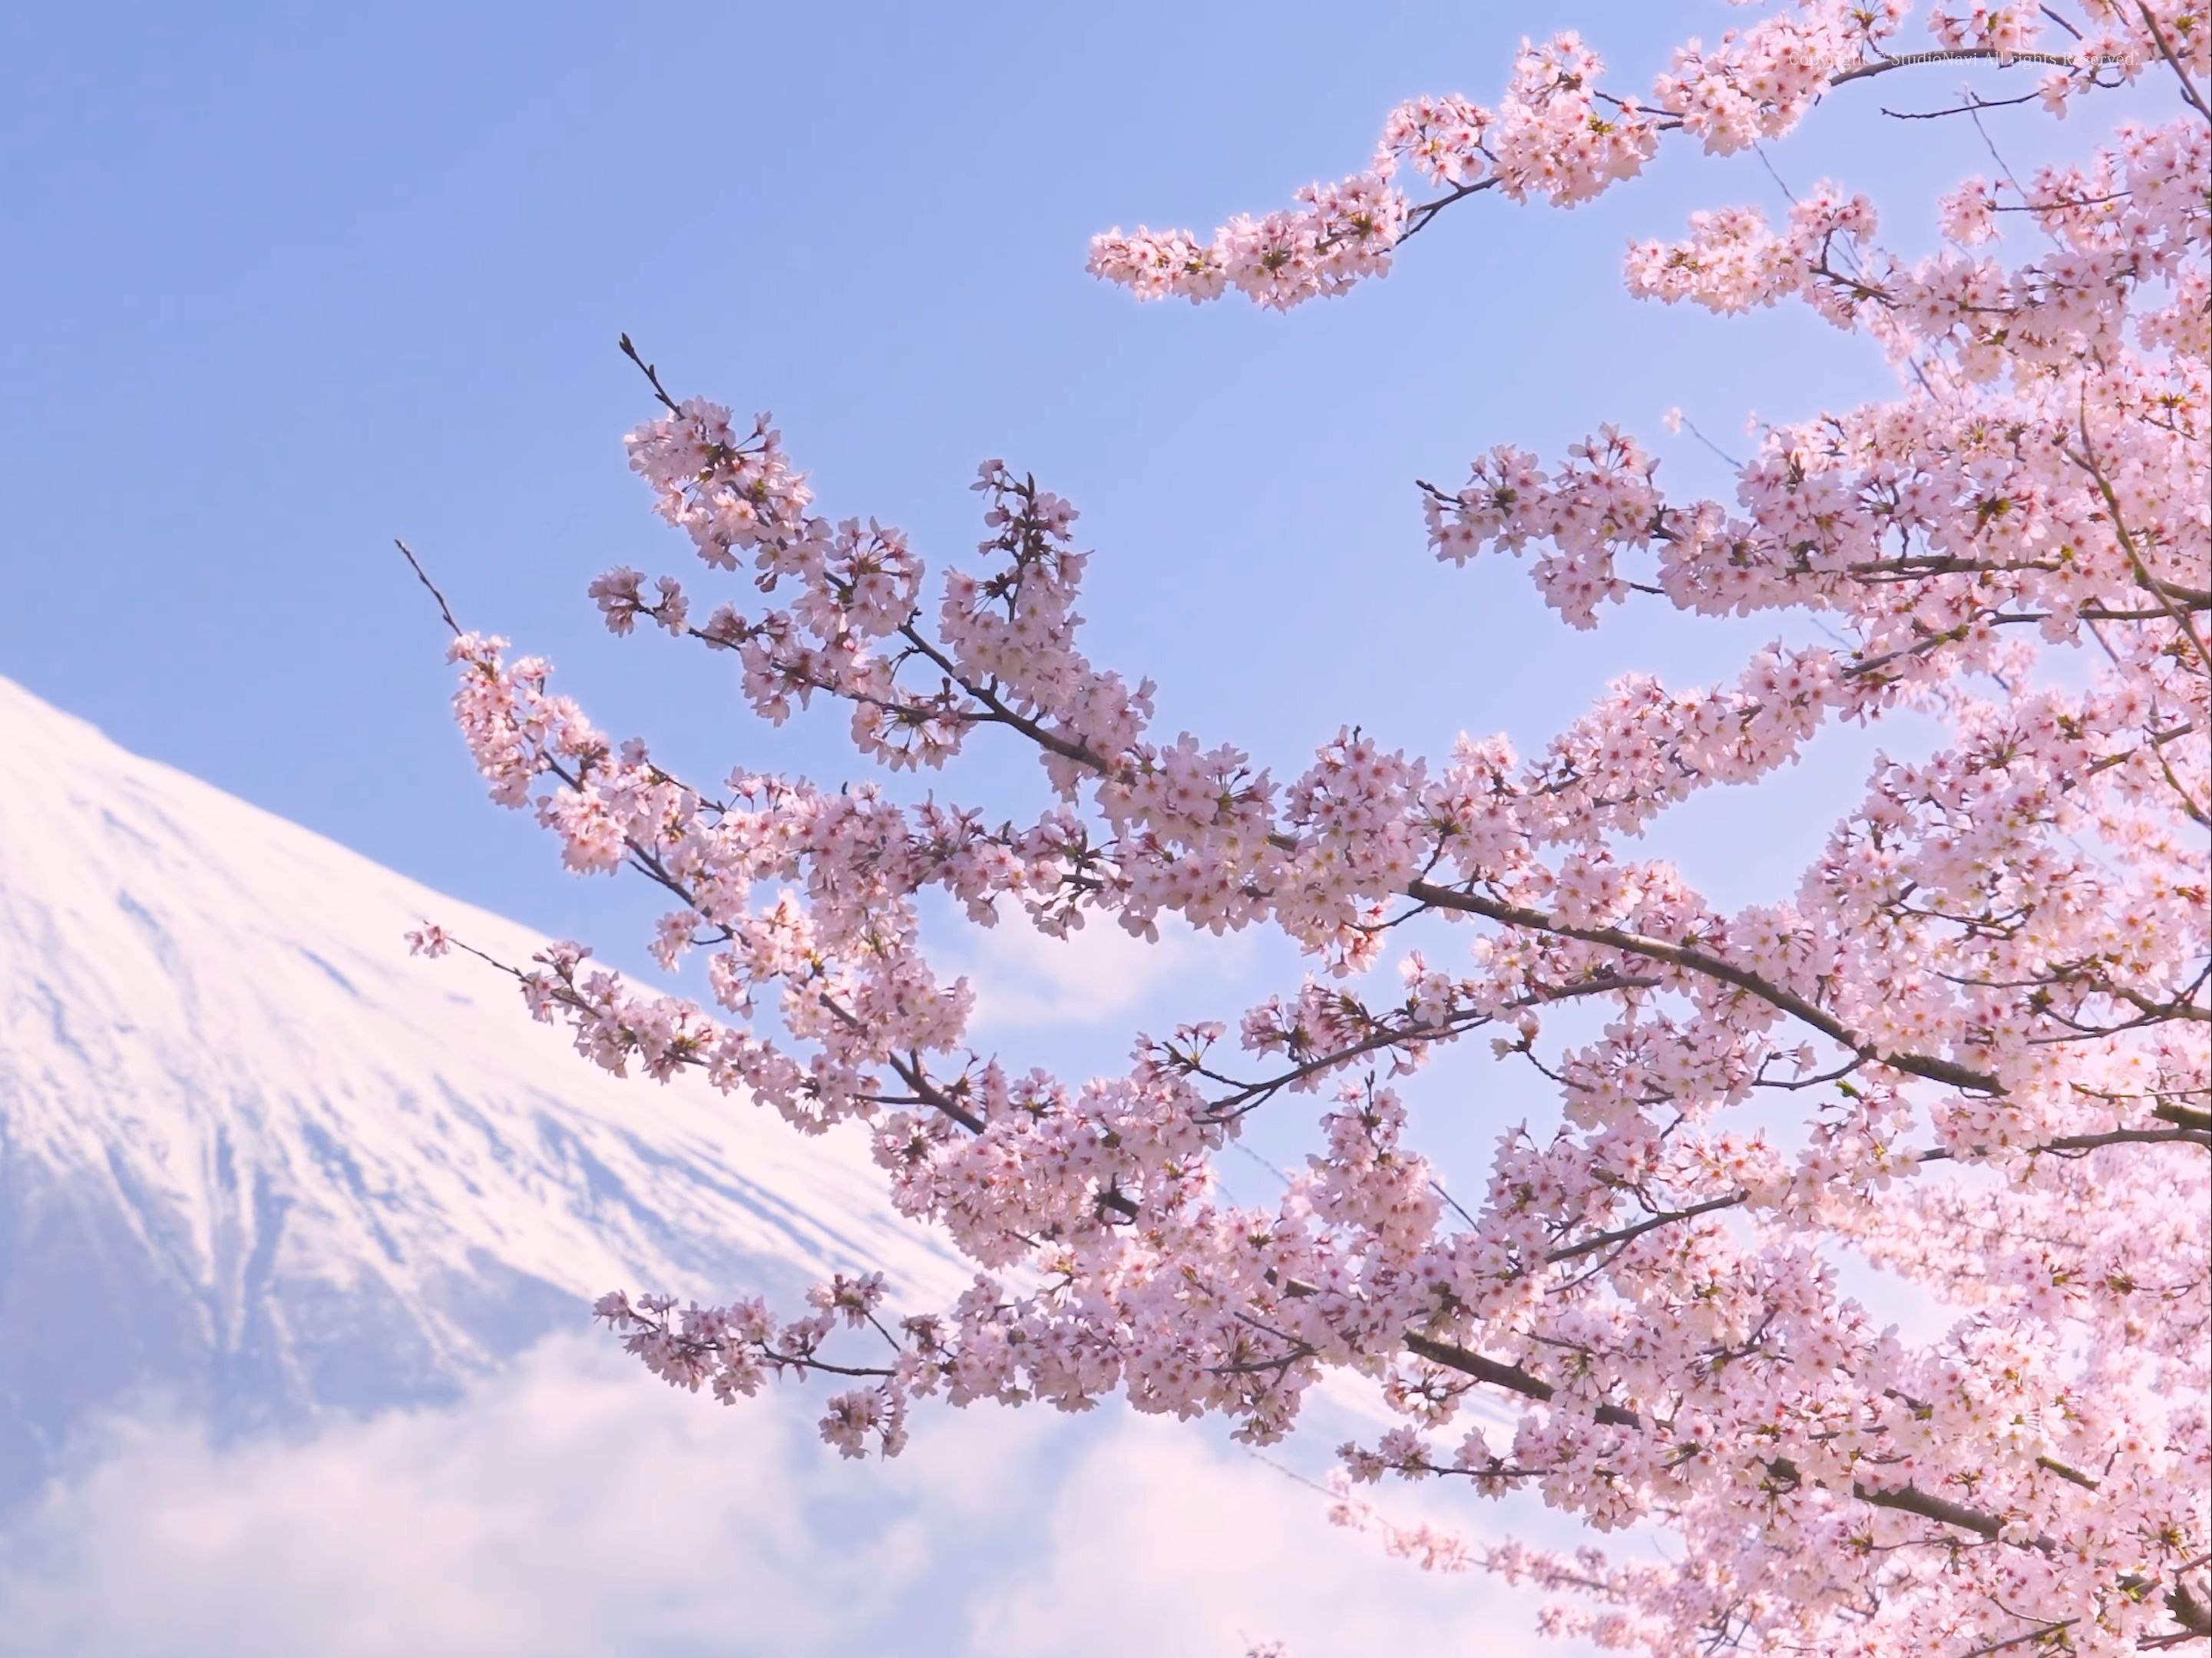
(416, 564)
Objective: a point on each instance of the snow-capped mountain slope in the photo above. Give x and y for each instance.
(254, 1156)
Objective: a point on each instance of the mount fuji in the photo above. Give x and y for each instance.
(254, 1157)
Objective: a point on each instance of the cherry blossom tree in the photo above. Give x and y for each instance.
(1971, 1050)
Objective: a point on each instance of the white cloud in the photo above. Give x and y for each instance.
(1025, 980)
(573, 1508)
(1157, 1546)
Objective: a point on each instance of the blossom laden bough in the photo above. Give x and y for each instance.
(1987, 995)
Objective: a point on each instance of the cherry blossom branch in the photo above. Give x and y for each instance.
(1948, 55)
(1904, 1499)
(2087, 459)
(2189, 94)
(1933, 1068)
(444, 611)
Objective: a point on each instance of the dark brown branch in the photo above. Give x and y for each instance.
(1948, 55)
(1510, 1377)
(652, 374)
(2072, 1476)
(1245, 1094)
(1974, 106)
(1418, 218)
(2087, 460)
(415, 565)
(2191, 1614)
(2183, 1116)
(2038, 1632)
(2189, 94)
(1605, 1240)
(1905, 1499)
(1910, 1499)
(1935, 1069)
(1000, 712)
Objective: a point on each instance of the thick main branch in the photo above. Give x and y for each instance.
(1693, 960)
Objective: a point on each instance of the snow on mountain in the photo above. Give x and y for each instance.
(254, 1156)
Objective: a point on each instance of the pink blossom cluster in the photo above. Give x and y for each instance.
(1553, 136)
(739, 1348)
(1970, 1047)
(1556, 135)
